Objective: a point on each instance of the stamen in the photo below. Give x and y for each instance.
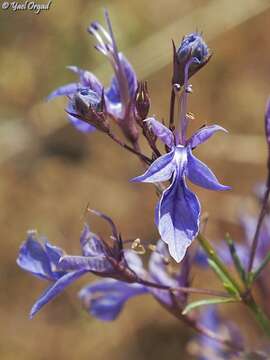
(100, 28)
(152, 247)
(123, 84)
(190, 116)
(101, 49)
(138, 247)
(92, 30)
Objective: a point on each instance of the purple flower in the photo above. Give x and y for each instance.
(178, 211)
(41, 260)
(51, 263)
(205, 348)
(249, 224)
(119, 96)
(105, 299)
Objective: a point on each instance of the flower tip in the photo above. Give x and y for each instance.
(72, 68)
(33, 312)
(135, 179)
(94, 25)
(49, 97)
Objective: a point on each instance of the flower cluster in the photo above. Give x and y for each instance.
(88, 98)
(122, 269)
(126, 101)
(89, 106)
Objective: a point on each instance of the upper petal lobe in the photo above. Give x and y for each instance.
(161, 170)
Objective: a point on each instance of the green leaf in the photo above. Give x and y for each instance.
(236, 260)
(211, 301)
(228, 285)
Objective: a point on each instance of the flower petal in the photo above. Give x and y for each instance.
(33, 258)
(134, 262)
(64, 90)
(92, 263)
(160, 170)
(87, 79)
(91, 244)
(179, 215)
(203, 134)
(54, 252)
(55, 290)
(157, 265)
(210, 319)
(105, 299)
(112, 94)
(161, 131)
(81, 125)
(201, 175)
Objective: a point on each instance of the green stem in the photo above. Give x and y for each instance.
(208, 248)
(247, 297)
(260, 316)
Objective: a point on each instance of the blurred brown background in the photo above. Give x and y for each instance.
(49, 171)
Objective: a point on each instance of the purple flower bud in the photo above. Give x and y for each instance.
(192, 46)
(86, 105)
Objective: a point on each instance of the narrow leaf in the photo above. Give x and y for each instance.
(236, 260)
(228, 285)
(196, 304)
(254, 275)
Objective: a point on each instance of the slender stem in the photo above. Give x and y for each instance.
(184, 289)
(258, 228)
(172, 106)
(259, 315)
(183, 122)
(183, 114)
(151, 142)
(145, 158)
(149, 138)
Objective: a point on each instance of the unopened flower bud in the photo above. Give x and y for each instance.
(85, 99)
(90, 107)
(191, 47)
(142, 100)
